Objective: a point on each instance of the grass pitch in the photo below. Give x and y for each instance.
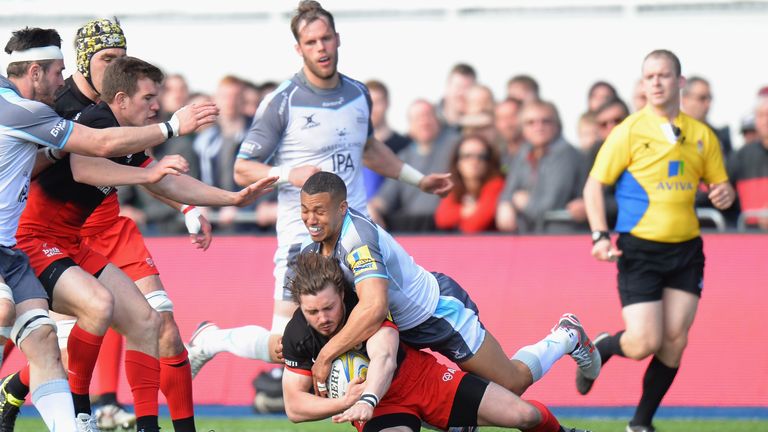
(205, 424)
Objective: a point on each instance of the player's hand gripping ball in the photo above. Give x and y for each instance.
(344, 369)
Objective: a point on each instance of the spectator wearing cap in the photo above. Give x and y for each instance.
(747, 129)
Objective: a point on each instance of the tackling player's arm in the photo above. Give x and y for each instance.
(121, 141)
(380, 159)
(97, 171)
(382, 352)
(364, 320)
(301, 405)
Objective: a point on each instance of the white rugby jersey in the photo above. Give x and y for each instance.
(299, 124)
(24, 124)
(365, 250)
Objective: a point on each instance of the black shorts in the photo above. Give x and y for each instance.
(647, 267)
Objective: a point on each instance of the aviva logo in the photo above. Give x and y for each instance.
(675, 168)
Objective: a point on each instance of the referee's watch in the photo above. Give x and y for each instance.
(600, 235)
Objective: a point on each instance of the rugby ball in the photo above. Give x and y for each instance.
(344, 369)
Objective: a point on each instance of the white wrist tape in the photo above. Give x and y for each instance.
(410, 175)
(192, 218)
(282, 172)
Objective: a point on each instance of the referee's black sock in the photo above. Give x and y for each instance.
(609, 346)
(657, 380)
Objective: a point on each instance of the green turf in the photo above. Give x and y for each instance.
(27, 424)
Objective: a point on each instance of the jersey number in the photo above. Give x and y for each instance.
(342, 162)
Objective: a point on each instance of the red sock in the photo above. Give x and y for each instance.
(24, 375)
(143, 372)
(108, 364)
(548, 421)
(82, 350)
(176, 385)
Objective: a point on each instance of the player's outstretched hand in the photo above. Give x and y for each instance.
(604, 250)
(168, 165)
(438, 184)
(722, 195)
(299, 175)
(250, 193)
(192, 117)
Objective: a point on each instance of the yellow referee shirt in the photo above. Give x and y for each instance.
(656, 168)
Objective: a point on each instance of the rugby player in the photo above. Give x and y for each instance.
(34, 74)
(317, 120)
(97, 43)
(403, 386)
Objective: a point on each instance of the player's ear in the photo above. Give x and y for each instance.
(344, 205)
(682, 81)
(298, 49)
(121, 99)
(338, 40)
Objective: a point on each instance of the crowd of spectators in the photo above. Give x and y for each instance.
(514, 171)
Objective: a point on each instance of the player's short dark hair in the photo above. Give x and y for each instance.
(376, 85)
(312, 273)
(25, 39)
(464, 69)
(527, 81)
(123, 75)
(309, 11)
(324, 181)
(610, 103)
(669, 55)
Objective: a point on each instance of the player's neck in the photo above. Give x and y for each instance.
(85, 87)
(24, 85)
(325, 84)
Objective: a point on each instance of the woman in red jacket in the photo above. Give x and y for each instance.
(476, 173)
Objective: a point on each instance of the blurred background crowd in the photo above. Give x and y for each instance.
(513, 97)
(514, 171)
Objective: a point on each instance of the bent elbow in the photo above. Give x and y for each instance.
(240, 173)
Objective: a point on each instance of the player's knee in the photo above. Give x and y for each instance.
(170, 338)
(35, 334)
(526, 416)
(160, 301)
(100, 306)
(639, 345)
(7, 306)
(675, 342)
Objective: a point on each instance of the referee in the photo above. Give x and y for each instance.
(656, 159)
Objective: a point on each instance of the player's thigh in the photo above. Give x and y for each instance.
(79, 293)
(131, 308)
(491, 362)
(500, 407)
(644, 324)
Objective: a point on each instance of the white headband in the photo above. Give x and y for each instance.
(50, 52)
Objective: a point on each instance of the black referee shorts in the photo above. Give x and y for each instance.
(647, 267)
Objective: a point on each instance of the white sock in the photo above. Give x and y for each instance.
(541, 356)
(251, 342)
(54, 403)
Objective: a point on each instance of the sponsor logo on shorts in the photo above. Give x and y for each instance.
(291, 363)
(51, 251)
(458, 354)
(360, 260)
(150, 262)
